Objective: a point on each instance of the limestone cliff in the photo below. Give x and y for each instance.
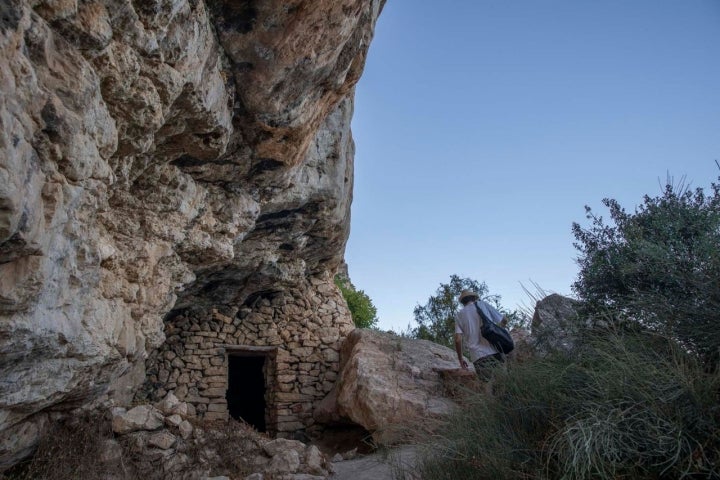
(157, 155)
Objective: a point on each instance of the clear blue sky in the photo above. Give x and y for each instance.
(483, 128)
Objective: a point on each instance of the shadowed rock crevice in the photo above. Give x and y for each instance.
(237, 16)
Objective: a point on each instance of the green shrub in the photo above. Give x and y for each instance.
(659, 266)
(625, 406)
(362, 310)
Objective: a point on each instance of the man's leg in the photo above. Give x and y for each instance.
(484, 366)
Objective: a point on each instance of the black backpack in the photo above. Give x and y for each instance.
(495, 334)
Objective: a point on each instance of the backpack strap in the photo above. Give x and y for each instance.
(483, 317)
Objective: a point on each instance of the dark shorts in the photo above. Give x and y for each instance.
(484, 366)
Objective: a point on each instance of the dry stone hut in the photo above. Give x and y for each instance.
(268, 361)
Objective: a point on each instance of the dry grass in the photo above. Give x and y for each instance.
(70, 450)
(622, 406)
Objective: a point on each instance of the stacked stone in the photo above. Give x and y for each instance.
(160, 436)
(304, 326)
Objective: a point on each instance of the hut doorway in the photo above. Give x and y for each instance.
(247, 393)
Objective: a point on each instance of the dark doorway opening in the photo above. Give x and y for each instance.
(246, 389)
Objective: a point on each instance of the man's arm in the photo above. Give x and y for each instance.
(458, 349)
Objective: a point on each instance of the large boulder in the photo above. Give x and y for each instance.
(556, 323)
(388, 383)
(524, 345)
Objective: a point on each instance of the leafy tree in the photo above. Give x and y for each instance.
(658, 266)
(436, 319)
(364, 313)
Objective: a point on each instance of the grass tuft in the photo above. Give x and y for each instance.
(622, 405)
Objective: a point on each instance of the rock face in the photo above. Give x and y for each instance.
(389, 383)
(154, 156)
(556, 322)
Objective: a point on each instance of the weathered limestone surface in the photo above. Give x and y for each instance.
(556, 323)
(391, 385)
(156, 155)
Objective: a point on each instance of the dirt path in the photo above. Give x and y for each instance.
(376, 466)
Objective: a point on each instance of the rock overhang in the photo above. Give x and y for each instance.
(146, 150)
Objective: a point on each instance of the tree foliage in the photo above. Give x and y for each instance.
(658, 266)
(364, 313)
(436, 319)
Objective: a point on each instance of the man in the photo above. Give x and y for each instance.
(467, 325)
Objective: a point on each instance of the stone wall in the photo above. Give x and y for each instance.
(303, 326)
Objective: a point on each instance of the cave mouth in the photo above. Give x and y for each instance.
(247, 388)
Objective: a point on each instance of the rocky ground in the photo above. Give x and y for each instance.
(161, 441)
(382, 465)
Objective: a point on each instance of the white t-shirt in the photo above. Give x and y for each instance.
(468, 323)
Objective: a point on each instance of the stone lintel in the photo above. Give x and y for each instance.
(247, 350)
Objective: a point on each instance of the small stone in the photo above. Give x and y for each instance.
(273, 447)
(142, 417)
(173, 420)
(210, 416)
(181, 409)
(287, 461)
(314, 460)
(217, 407)
(350, 454)
(182, 391)
(163, 440)
(331, 355)
(186, 429)
(117, 411)
(337, 458)
(214, 392)
(168, 404)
